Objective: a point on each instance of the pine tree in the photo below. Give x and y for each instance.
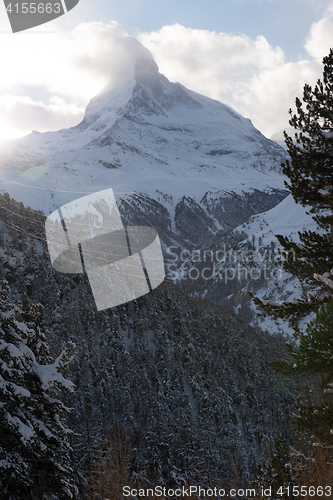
(313, 358)
(278, 471)
(310, 174)
(310, 181)
(34, 440)
(314, 354)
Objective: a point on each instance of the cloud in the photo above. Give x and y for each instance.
(248, 74)
(210, 62)
(47, 80)
(102, 51)
(271, 93)
(18, 113)
(320, 40)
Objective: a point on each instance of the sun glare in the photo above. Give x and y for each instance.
(7, 133)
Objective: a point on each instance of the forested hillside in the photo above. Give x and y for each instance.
(190, 384)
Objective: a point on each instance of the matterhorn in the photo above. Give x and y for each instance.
(181, 162)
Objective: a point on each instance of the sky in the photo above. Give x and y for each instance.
(253, 55)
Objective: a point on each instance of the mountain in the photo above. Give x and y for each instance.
(278, 137)
(177, 160)
(247, 259)
(250, 260)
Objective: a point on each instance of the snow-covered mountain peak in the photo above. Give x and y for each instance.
(146, 69)
(111, 98)
(139, 91)
(144, 134)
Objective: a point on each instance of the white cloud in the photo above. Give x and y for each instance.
(208, 59)
(271, 93)
(320, 39)
(249, 75)
(19, 113)
(48, 79)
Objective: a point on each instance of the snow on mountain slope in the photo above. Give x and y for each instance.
(287, 219)
(149, 136)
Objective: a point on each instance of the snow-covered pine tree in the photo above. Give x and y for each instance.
(34, 440)
(310, 174)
